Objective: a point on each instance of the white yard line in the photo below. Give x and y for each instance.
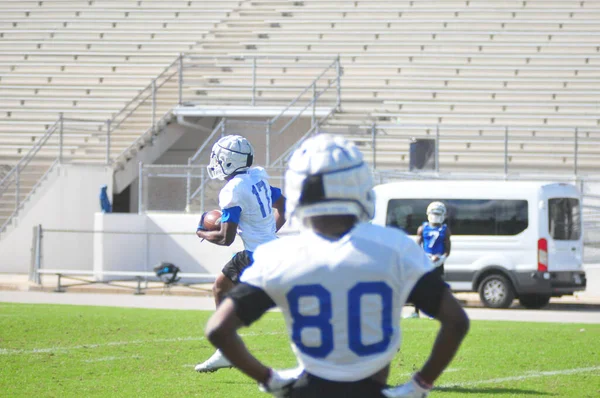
(104, 359)
(449, 370)
(529, 375)
(8, 351)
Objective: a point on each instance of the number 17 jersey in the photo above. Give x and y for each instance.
(341, 299)
(247, 199)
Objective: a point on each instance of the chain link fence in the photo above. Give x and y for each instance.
(184, 188)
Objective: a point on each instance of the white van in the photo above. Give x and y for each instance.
(510, 239)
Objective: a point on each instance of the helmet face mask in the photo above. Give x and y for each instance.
(230, 155)
(436, 213)
(327, 176)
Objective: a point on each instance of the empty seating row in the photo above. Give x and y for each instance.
(523, 55)
(461, 5)
(87, 38)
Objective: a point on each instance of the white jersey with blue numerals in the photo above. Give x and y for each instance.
(247, 199)
(341, 299)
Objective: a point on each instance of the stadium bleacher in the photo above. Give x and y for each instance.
(88, 58)
(530, 64)
(455, 63)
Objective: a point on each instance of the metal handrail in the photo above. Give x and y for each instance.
(14, 175)
(30, 154)
(37, 184)
(148, 87)
(387, 125)
(179, 171)
(312, 102)
(302, 93)
(219, 127)
(204, 180)
(172, 71)
(315, 97)
(144, 135)
(287, 153)
(490, 139)
(575, 152)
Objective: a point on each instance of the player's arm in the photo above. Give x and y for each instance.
(244, 305)
(420, 236)
(447, 243)
(226, 234)
(279, 207)
(432, 295)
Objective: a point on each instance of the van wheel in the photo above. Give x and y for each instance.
(534, 301)
(496, 291)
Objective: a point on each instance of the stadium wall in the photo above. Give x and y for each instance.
(67, 200)
(138, 242)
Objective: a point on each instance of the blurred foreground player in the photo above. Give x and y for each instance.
(250, 207)
(341, 285)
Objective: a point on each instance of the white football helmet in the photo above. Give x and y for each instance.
(436, 212)
(327, 176)
(231, 154)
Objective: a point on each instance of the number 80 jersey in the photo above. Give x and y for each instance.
(341, 299)
(248, 200)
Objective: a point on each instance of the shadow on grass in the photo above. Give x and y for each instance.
(491, 390)
(571, 307)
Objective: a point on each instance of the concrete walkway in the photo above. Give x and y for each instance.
(19, 282)
(564, 314)
(582, 307)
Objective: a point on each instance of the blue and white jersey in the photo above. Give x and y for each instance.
(247, 199)
(341, 299)
(434, 238)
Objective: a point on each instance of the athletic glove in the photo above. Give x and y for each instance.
(412, 389)
(281, 381)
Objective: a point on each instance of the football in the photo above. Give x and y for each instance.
(212, 220)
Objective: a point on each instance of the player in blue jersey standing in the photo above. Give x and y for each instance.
(340, 283)
(250, 207)
(434, 236)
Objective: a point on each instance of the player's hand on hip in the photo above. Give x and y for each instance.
(439, 261)
(281, 381)
(412, 389)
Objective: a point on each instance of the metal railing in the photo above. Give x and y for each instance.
(315, 129)
(316, 90)
(52, 148)
(82, 130)
(307, 101)
(182, 82)
(183, 188)
(570, 145)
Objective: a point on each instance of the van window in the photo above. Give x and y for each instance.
(564, 219)
(464, 216)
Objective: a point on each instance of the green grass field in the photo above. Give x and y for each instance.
(76, 351)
